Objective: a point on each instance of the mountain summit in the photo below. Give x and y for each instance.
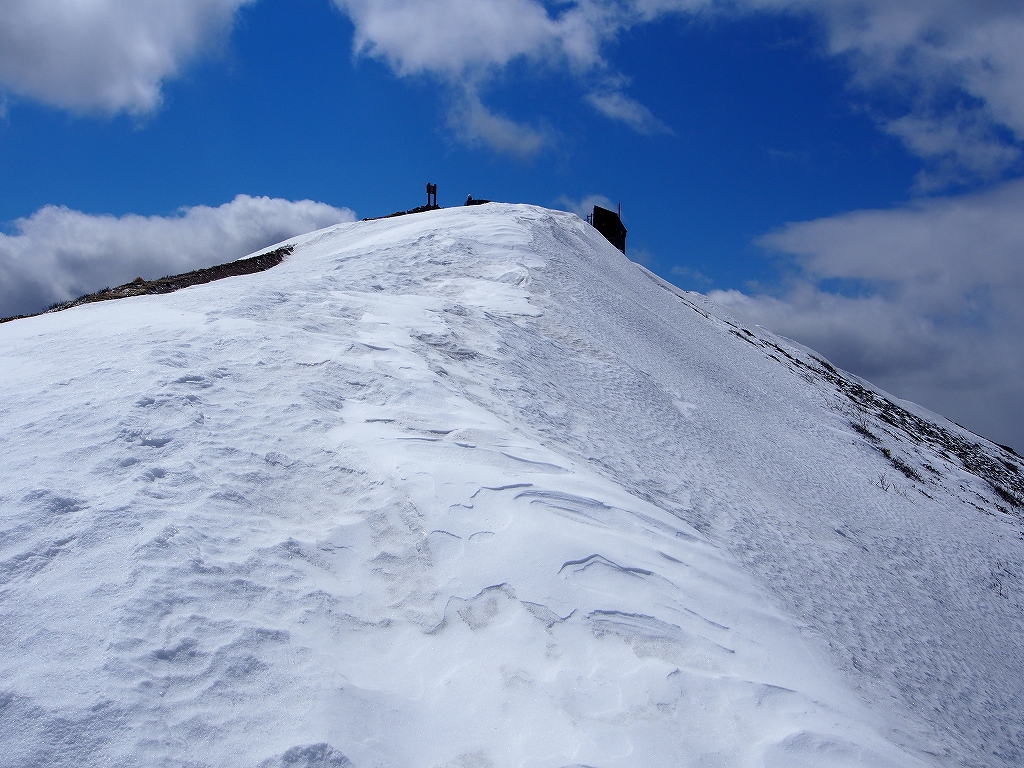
(467, 488)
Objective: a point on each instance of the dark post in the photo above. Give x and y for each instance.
(431, 195)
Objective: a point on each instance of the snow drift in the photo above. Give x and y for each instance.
(468, 488)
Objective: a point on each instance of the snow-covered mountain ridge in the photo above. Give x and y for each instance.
(468, 488)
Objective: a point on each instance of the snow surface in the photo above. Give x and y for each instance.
(467, 488)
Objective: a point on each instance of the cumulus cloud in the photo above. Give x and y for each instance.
(111, 55)
(954, 67)
(957, 66)
(451, 36)
(923, 300)
(466, 41)
(58, 254)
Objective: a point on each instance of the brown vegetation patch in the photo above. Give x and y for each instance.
(171, 283)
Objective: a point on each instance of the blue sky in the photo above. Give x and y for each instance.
(845, 172)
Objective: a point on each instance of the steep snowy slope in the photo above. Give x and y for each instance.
(468, 488)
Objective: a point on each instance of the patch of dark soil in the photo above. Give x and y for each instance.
(901, 465)
(860, 428)
(171, 283)
(1000, 472)
(1006, 496)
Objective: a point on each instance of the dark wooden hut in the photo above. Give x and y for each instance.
(609, 224)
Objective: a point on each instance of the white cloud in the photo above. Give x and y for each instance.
(958, 63)
(475, 124)
(933, 309)
(584, 207)
(688, 276)
(58, 254)
(960, 145)
(617, 106)
(465, 41)
(106, 55)
(451, 37)
(956, 66)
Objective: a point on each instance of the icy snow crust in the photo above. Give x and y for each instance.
(468, 488)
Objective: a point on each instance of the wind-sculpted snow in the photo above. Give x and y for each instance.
(467, 488)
